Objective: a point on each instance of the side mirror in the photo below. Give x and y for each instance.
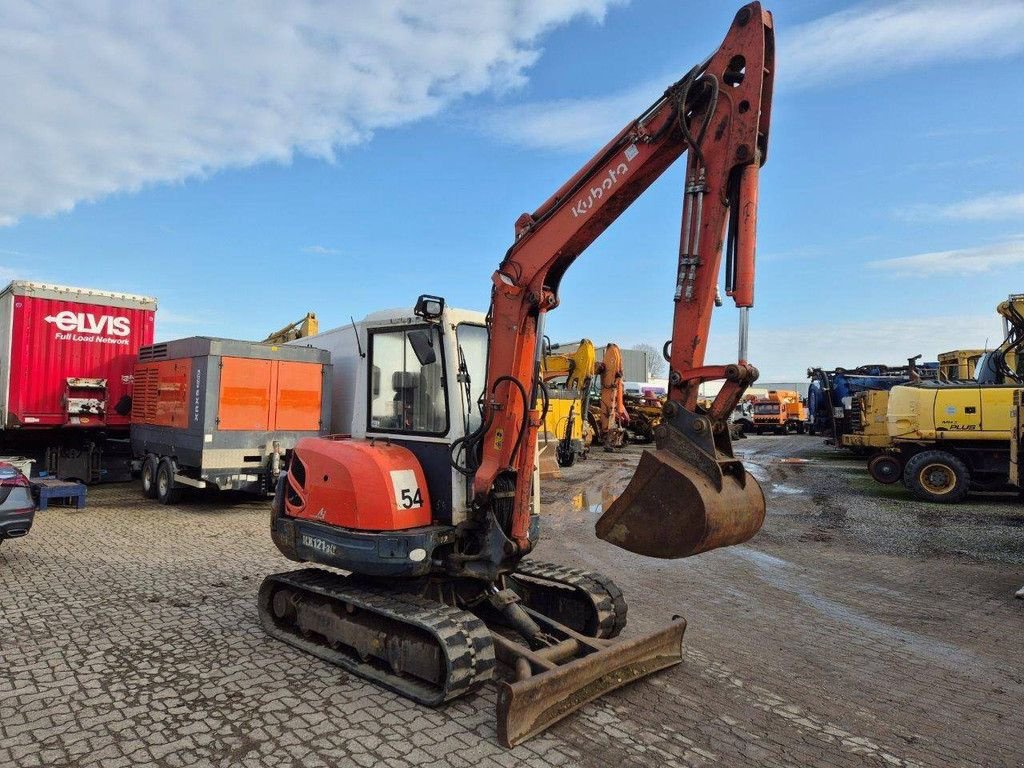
(429, 307)
(422, 341)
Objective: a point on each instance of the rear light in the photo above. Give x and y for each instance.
(10, 476)
(13, 481)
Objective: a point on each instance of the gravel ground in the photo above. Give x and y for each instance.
(858, 628)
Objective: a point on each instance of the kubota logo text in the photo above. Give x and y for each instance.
(582, 206)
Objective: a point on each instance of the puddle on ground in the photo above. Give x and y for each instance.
(593, 500)
(760, 473)
(788, 490)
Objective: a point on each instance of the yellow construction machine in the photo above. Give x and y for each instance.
(300, 329)
(568, 377)
(959, 364)
(1017, 444)
(645, 412)
(870, 431)
(947, 437)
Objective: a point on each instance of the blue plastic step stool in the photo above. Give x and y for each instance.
(46, 489)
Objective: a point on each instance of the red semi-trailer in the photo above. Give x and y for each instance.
(67, 357)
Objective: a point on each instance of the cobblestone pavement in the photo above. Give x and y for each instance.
(857, 629)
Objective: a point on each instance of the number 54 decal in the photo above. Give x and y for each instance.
(406, 488)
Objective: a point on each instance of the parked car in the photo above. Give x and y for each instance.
(17, 508)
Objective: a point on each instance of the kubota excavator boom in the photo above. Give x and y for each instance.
(720, 111)
(429, 505)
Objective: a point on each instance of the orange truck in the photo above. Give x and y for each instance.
(780, 411)
(224, 414)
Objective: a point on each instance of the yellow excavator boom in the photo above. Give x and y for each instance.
(300, 329)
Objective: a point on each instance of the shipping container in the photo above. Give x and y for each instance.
(66, 360)
(224, 414)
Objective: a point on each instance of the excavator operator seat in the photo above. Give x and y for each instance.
(430, 400)
(405, 384)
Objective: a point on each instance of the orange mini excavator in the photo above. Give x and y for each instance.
(428, 502)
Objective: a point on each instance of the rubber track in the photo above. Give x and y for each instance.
(463, 638)
(604, 594)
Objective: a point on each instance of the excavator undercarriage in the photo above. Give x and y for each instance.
(403, 637)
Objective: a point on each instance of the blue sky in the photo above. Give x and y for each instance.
(245, 167)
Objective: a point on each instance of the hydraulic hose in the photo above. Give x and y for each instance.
(526, 411)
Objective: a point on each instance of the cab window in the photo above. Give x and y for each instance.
(406, 387)
(473, 342)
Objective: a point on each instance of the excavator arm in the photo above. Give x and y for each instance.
(720, 113)
(1012, 346)
(300, 329)
(577, 367)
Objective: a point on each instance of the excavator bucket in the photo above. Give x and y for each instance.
(558, 687)
(683, 501)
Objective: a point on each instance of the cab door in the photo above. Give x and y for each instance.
(997, 411)
(958, 409)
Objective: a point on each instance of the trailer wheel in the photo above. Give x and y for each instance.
(885, 468)
(149, 469)
(167, 491)
(937, 476)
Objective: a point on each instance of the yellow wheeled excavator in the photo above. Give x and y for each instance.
(947, 437)
(428, 504)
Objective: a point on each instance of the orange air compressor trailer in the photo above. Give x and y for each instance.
(224, 414)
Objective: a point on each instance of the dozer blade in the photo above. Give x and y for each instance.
(673, 509)
(531, 705)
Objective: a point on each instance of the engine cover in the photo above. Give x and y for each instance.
(366, 485)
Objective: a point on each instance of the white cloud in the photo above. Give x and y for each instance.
(882, 38)
(991, 207)
(785, 354)
(171, 324)
(571, 125)
(963, 261)
(320, 250)
(866, 40)
(102, 98)
(170, 317)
